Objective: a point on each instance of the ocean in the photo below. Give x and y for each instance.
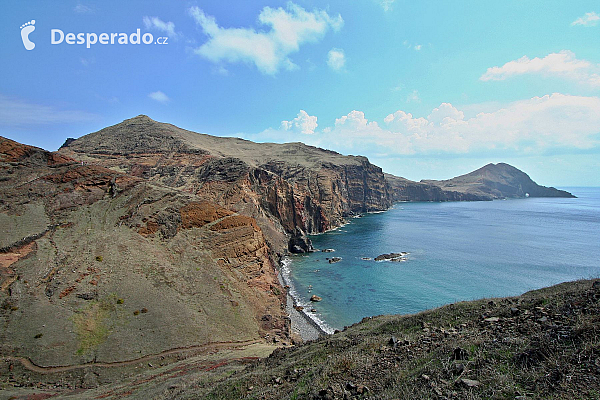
(456, 251)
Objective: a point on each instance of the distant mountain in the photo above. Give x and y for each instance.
(493, 181)
(497, 181)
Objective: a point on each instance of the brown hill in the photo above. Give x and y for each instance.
(97, 265)
(540, 345)
(498, 181)
(144, 238)
(144, 241)
(291, 189)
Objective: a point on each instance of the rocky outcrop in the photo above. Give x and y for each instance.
(300, 244)
(396, 257)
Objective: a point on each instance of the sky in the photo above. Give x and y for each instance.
(425, 90)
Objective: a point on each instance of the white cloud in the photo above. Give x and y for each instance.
(399, 87)
(554, 121)
(159, 96)
(413, 97)
(336, 59)
(550, 123)
(562, 64)
(268, 50)
(17, 112)
(408, 45)
(220, 70)
(160, 25)
(81, 9)
(303, 123)
(386, 4)
(589, 19)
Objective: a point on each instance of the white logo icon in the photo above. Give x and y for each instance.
(26, 29)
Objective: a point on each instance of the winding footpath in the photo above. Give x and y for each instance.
(30, 365)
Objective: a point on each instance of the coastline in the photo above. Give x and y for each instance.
(302, 323)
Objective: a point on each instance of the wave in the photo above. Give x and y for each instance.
(299, 300)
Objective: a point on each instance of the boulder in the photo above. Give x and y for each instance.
(315, 298)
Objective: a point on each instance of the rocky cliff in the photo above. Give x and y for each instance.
(403, 189)
(290, 189)
(142, 238)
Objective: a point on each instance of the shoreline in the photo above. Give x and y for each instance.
(301, 322)
(306, 324)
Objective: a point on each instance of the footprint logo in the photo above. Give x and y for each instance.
(26, 29)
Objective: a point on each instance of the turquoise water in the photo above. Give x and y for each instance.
(457, 251)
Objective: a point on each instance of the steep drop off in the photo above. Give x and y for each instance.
(290, 189)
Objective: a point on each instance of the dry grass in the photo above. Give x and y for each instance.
(545, 345)
(92, 324)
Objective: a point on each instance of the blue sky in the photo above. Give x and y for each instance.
(426, 90)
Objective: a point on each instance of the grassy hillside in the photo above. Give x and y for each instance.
(543, 344)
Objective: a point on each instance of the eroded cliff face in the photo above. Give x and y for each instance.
(99, 265)
(291, 190)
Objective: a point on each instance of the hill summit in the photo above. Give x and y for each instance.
(498, 181)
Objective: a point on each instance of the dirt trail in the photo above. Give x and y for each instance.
(27, 363)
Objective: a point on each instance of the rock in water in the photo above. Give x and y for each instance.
(335, 259)
(391, 257)
(315, 298)
(299, 244)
